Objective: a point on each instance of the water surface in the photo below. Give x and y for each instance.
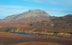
(26, 34)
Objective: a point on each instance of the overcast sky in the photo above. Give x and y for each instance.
(53, 7)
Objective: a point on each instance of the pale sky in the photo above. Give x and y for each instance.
(53, 7)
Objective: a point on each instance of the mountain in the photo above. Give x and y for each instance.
(29, 16)
(36, 20)
(64, 23)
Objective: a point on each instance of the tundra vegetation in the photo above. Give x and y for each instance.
(40, 28)
(50, 30)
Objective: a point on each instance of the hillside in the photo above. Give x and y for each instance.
(63, 23)
(27, 17)
(36, 21)
(15, 39)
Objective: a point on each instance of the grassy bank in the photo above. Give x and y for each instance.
(15, 39)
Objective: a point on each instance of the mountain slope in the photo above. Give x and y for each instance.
(63, 24)
(36, 20)
(30, 16)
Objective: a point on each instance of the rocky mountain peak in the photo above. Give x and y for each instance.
(35, 13)
(29, 15)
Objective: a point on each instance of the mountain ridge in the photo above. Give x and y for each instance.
(31, 14)
(37, 20)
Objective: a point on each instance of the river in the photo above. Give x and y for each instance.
(25, 34)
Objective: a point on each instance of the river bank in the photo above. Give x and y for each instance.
(15, 39)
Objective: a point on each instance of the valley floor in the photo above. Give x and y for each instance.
(15, 39)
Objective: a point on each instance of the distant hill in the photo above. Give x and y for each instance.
(36, 20)
(29, 16)
(63, 23)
